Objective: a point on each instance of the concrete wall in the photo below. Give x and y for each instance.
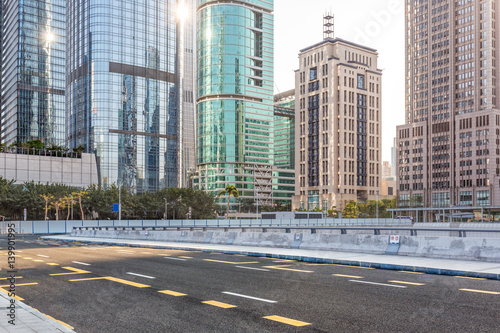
(77, 172)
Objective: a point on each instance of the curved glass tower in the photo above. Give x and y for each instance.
(125, 88)
(235, 97)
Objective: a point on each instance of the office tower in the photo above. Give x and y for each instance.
(394, 151)
(128, 88)
(448, 149)
(284, 149)
(235, 97)
(338, 91)
(33, 67)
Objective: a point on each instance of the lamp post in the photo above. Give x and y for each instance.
(72, 207)
(119, 202)
(166, 207)
(377, 205)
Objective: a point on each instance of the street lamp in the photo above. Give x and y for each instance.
(257, 197)
(377, 206)
(119, 202)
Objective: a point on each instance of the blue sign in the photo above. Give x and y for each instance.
(116, 207)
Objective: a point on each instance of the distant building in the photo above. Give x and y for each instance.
(387, 171)
(41, 166)
(388, 188)
(338, 112)
(448, 149)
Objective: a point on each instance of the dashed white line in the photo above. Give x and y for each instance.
(255, 269)
(41, 255)
(180, 259)
(378, 284)
(144, 276)
(81, 263)
(250, 297)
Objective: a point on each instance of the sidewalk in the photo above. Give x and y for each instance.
(27, 319)
(478, 269)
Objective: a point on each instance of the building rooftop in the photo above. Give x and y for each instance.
(337, 40)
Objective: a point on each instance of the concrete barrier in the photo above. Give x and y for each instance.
(445, 246)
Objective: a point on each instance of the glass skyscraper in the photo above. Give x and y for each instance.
(33, 66)
(126, 88)
(235, 97)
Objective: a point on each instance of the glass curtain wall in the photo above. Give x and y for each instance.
(235, 96)
(123, 96)
(33, 67)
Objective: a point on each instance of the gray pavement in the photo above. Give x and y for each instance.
(27, 319)
(477, 269)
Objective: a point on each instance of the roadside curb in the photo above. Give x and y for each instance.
(416, 269)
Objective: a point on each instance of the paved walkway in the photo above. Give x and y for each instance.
(490, 270)
(27, 319)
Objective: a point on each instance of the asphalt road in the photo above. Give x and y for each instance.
(127, 289)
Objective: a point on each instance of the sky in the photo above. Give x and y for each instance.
(377, 24)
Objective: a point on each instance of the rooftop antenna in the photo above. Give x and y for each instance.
(328, 26)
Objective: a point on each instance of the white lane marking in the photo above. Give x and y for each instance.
(256, 269)
(180, 259)
(19, 251)
(144, 276)
(378, 284)
(81, 263)
(250, 297)
(41, 255)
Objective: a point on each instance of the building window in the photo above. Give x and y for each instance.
(313, 73)
(466, 198)
(404, 200)
(483, 198)
(441, 199)
(361, 81)
(313, 200)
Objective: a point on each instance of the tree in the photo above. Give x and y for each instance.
(332, 212)
(47, 197)
(80, 194)
(230, 190)
(351, 210)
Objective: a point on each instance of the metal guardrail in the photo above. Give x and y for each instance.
(462, 232)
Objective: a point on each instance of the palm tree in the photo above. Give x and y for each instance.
(230, 190)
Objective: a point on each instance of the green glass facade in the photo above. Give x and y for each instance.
(284, 148)
(235, 97)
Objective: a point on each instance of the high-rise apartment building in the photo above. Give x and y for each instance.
(129, 89)
(338, 112)
(448, 149)
(235, 98)
(33, 67)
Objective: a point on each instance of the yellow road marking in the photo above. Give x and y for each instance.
(60, 322)
(110, 278)
(17, 277)
(220, 304)
(410, 272)
(288, 269)
(52, 264)
(146, 252)
(410, 283)
(283, 260)
(349, 276)
(27, 258)
(353, 266)
(20, 284)
(231, 262)
(75, 271)
(38, 260)
(240, 255)
(482, 291)
(16, 297)
(288, 321)
(471, 278)
(172, 293)
(185, 257)
(54, 244)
